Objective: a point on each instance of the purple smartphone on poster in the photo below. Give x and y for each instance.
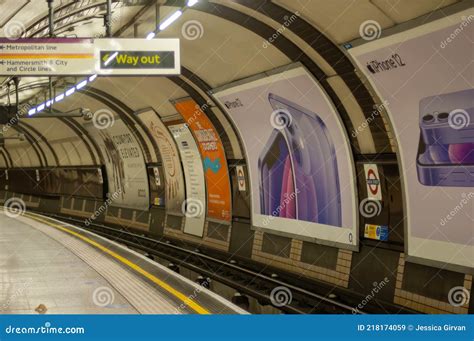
(298, 168)
(446, 148)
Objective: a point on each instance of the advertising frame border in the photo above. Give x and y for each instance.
(416, 31)
(357, 220)
(149, 108)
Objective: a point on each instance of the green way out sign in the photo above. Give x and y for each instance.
(136, 60)
(137, 56)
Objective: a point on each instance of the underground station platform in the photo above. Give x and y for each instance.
(63, 269)
(293, 170)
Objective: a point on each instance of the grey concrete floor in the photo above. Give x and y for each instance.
(37, 270)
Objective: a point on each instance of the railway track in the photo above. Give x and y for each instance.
(240, 275)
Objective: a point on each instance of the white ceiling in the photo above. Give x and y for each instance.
(224, 53)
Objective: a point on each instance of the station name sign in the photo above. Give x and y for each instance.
(75, 57)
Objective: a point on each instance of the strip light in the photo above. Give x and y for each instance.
(167, 22)
(70, 91)
(171, 19)
(59, 97)
(151, 35)
(81, 84)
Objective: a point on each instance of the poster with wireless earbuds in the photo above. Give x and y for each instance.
(300, 165)
(425, 77)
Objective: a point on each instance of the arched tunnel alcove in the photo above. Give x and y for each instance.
(322, 146)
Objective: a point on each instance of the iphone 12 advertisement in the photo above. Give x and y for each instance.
(299, 159)
(430, 103)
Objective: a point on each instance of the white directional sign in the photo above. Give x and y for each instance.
(66, 56)
(41, 57)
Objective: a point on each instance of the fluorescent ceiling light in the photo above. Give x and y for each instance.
(81, 84)
(191, 3)
(151, 35)
(170, 19)
(59, 97)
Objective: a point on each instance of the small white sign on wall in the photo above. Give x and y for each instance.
(241, 178)
(372, 178)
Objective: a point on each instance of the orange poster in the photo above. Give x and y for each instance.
(213, 158)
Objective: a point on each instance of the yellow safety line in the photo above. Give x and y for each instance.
(188, 301)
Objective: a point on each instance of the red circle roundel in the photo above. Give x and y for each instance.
(372, 182)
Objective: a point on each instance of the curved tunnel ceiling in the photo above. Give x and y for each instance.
(228, 33)
(225, 42)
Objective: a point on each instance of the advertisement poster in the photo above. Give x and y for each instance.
(126, 173)
(299, 161)
(194, 207)
(174, 181)
(431, 108)
(214, 159)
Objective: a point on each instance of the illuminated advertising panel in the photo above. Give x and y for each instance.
(214, 159)
(174, 181)
(425, 77)
(126, 173)
(299, 158)
(194, 207)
